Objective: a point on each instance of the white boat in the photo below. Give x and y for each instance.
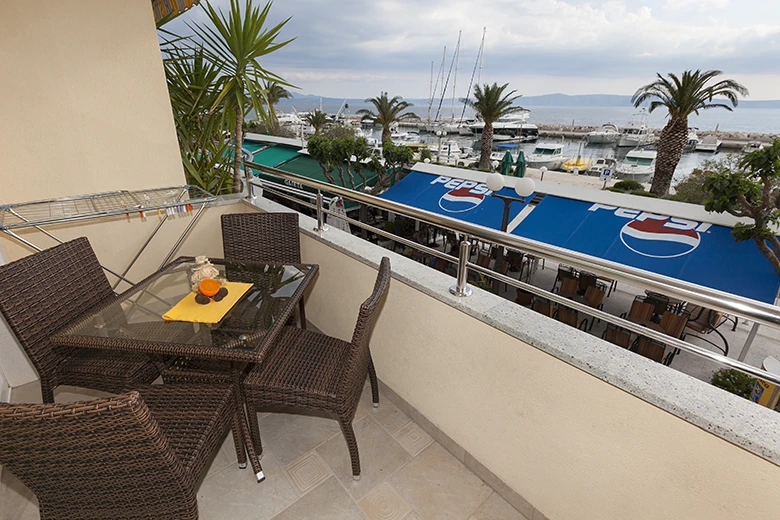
(710, 143)
(636, 132)
(607, 134)
(601, 164)
(510, 128)
(546, 154)
(450, 151)
(639, 165)
(405, 138)
(753, 146)
(693, 140)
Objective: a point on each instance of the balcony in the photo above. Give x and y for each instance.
(488, 410)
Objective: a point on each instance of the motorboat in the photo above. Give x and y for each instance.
(405, 138)
(513, 127)
(639, 165)
(710, 143)
(607, 134)
(692, 141)
(578, 164)
(601, 164)
(753, 146)
(546, 154)
(450, 150)
(636, 132)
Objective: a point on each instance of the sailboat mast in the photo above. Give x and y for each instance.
(430, 92)
(481, 52)
(436, 85)
(473, 73)
(455, 77)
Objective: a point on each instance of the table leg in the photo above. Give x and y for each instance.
(245, 432)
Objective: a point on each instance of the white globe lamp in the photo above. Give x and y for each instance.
(524, 187)
(495, 181)
(427, 161)
(543, 169)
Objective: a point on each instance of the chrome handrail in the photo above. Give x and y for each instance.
(770, 315)
(700, 295)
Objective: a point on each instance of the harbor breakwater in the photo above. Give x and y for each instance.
(731, 140)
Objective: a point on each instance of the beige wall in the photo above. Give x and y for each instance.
(83, 102)
(572, 445)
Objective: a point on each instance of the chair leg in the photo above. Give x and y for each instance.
(238, 442)
(254, 430)
(349, 435)
(374, 382)
(302, 314)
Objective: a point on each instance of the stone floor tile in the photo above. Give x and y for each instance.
(234, 493)
(225, 456)
(328, 501)
(496, 508)
(439, 486)
(307, 472)
(380, 456)
(289, 436)
(384, 503)
(14, 496)
(387, 415)
(412, 438)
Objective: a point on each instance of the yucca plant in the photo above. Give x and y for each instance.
(682, 96)
(491, 103)
(388, 111)
(238, 40)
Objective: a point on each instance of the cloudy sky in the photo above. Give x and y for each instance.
(356, 48)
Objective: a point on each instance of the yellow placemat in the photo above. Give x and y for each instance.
(190, 310)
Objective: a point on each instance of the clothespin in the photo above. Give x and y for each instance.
(125, 206)
(141, 212)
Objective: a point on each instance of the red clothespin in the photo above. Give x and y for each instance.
(125, 206)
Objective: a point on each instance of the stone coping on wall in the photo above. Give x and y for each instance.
(728, 416)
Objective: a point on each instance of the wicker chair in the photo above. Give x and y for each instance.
(640, 310)
(524, 298)
(137, 455)
(617, 335)
(650, 349)
(263, 237)
(312, 371)
(45, 292)
(569, 287)
(543, 307)
(571, 317)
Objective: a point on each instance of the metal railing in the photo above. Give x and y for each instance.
(703, 296)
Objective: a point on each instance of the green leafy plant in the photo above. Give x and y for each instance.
(337, 131)
(491, 103)
(318, 120)
(237, 41)
(734, 381)
(682, 96)
(425, 153)
(751, 190)
(629, 185)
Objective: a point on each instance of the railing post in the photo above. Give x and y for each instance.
(321, 226)
(462, 288)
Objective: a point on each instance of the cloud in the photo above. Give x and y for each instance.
(360, 47)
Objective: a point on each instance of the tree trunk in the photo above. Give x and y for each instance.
(239, 157)
(770, 254)
(670, 149)
(386, 135)
(487, 146)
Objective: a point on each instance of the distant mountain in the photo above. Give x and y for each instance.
(311, 101)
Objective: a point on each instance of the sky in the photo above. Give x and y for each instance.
(358, 48)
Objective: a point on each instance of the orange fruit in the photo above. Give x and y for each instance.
(209, 287)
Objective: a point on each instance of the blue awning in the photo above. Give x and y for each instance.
(695, 252)
(457, 198)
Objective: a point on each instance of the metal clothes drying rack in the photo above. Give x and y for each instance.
(144, 204)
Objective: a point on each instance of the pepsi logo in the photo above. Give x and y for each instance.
(460, 200)
(655, 239)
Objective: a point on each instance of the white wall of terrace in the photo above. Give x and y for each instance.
(568, 425)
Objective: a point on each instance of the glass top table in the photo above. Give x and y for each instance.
(134, 320)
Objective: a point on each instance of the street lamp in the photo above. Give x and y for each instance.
(524, 187)
(439, 134)
(542, 169)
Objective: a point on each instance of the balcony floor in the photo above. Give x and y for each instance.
(406, 475)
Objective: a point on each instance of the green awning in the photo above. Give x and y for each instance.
(273, 155)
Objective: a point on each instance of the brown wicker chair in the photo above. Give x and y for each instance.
(524, 298)
(639, 310)
(312, 371)
(543, 307)
(617, 335)
(136, 456)
(650, 349)
(571, 317)
(569, 287)
(45, 292)
(263, 237)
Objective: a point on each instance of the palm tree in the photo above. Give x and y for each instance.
(239, 41)
(682, 96)
(388, 111)
(275, 92)
(318, 120)
(491, 104)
